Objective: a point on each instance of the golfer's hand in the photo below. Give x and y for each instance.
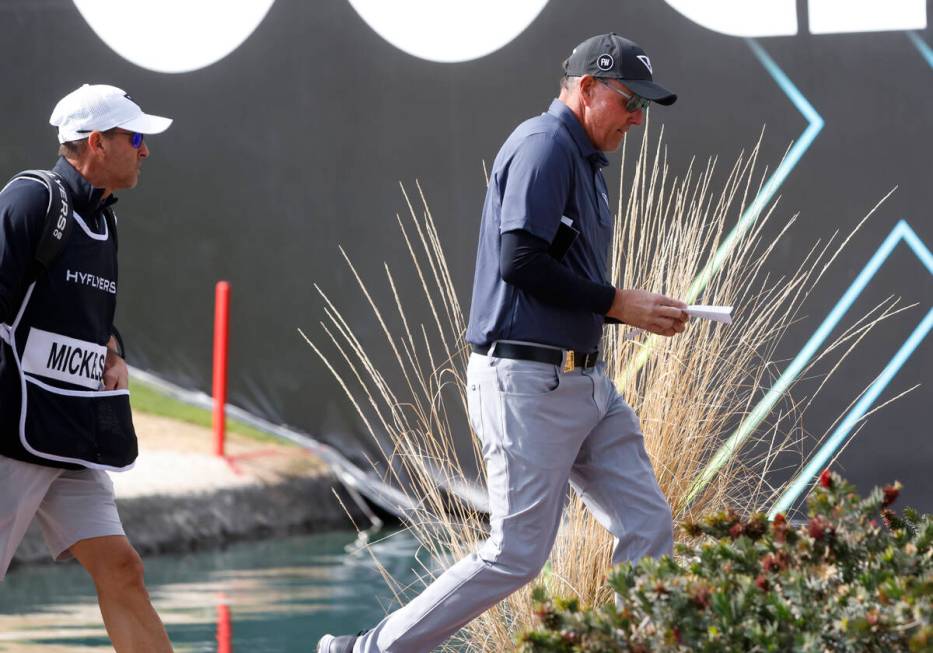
(116, 373)
(649, 311)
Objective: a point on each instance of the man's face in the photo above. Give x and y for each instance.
(607, 119)
(120, 161)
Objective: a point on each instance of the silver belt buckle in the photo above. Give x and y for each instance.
(569, 362)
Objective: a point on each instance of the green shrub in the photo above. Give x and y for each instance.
(856, 577)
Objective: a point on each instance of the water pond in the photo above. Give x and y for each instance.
(270, 596)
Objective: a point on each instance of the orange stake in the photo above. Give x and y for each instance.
(221, 333)
(224, 629)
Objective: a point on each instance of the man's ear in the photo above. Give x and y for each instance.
(586, 84)
(95, 141)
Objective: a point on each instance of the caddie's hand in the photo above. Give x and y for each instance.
(116, 373)
(650, 311)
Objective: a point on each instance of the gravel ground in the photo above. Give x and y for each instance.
(178, 458)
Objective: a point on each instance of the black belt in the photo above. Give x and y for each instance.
(540, 354)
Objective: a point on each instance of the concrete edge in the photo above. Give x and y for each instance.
(177, 523)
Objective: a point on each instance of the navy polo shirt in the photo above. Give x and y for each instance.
(546, 169)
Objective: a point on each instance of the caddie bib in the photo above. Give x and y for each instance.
(58, 340)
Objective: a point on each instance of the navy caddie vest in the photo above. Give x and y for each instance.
(58, 344)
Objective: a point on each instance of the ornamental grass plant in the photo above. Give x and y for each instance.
(696, 394)
(854, 578)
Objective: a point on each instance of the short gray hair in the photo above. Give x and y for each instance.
(569, 82)
(73, 149)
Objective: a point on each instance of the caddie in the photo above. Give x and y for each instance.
(64, 404)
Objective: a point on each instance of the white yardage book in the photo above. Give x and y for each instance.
(715, 313)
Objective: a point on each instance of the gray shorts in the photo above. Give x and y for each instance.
(70, 505)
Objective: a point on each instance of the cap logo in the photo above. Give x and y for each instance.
(645, 60)
(605, 62)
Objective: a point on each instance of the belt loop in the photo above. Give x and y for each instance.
(489, 353)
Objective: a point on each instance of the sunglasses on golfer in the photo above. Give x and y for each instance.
(635, 102)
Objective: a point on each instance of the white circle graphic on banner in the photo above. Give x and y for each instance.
(173, 36)
(450, 30)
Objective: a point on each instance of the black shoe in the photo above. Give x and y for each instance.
(331, 644)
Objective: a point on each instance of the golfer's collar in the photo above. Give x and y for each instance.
(585, 146)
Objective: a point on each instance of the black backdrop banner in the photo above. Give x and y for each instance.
(296, 140)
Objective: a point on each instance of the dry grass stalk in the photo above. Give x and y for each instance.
(690, 391)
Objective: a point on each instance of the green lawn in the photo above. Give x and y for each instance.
(147, 399)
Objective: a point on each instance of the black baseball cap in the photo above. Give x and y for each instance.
(614, 57)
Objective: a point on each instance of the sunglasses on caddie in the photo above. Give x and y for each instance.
(635, 102)
(136, 139)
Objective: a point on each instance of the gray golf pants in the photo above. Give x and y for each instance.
(541, 429)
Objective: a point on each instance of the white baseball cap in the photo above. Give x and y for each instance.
(99, 107)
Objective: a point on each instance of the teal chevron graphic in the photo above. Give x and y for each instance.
(794, 155)
(768, 190)
(746, 220)
(901, 233)
(922, 46)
